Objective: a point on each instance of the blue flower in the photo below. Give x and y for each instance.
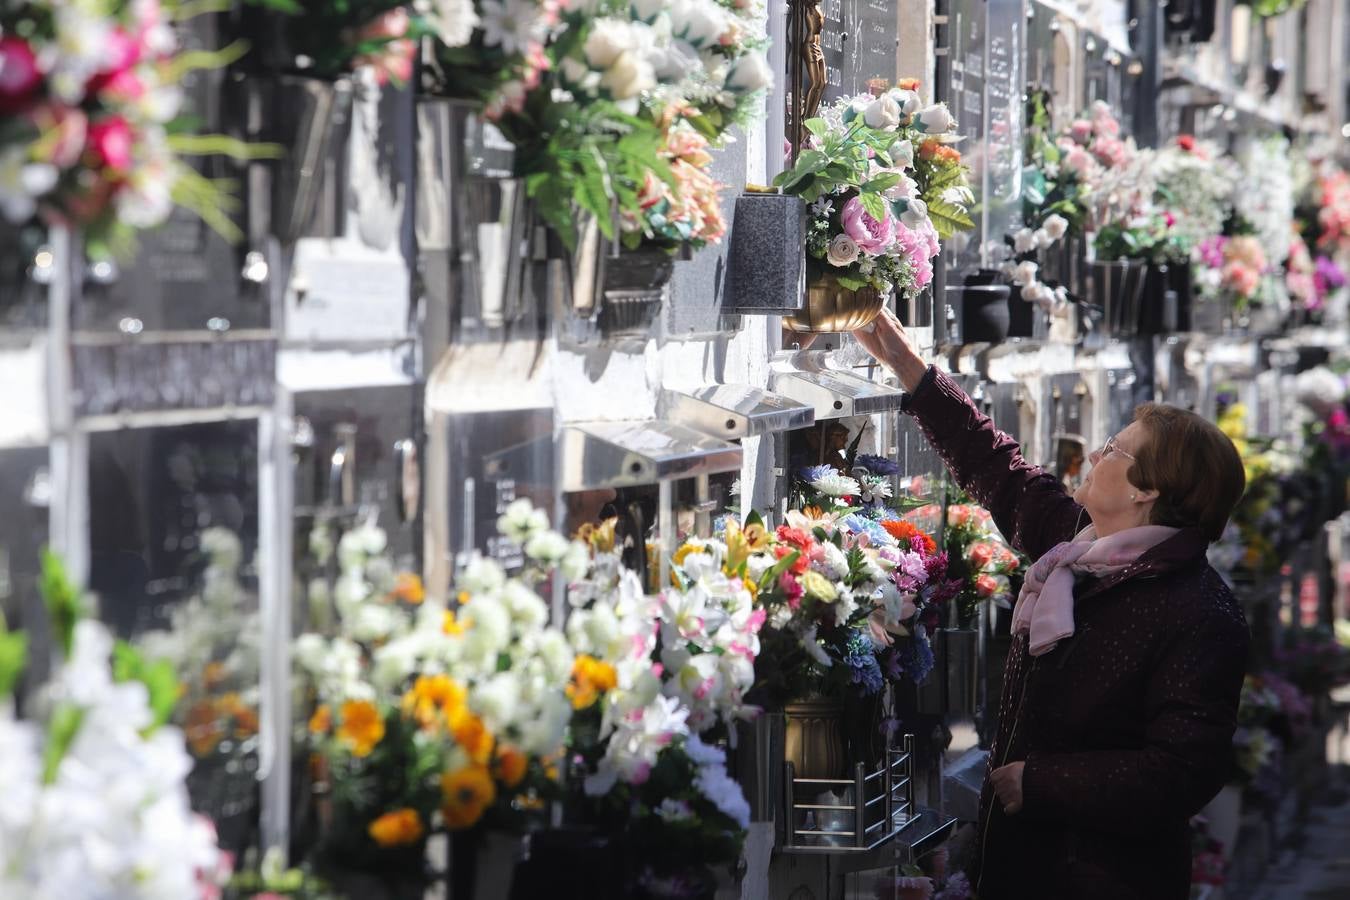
(862, 660)
(878, 465)
(921, 661)
(860, 524)
(815, 473)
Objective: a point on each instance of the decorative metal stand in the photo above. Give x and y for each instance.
(876, 806)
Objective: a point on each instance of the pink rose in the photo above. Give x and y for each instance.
(1081, 131)
(64, 130)
(981, 554)
(19, 75)
(1242, 279)
(1078, 160)
(392, 24)
(871, 236)
(986, 585)
(125, 86)
(1109, 151)
(110, 140)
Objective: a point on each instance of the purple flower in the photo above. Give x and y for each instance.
(878, 465)
(1211, 251)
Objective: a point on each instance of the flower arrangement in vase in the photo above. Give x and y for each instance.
(428, 716)
(94, 787)
(987, 567)
(94, 134)
(1233, 267)
(884, 186)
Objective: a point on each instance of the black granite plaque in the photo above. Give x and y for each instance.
(859, 42)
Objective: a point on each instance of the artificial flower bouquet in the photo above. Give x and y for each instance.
(657, 679)
(1234, 267)
(613, 107)
(94, 132)
(884, 186)
(989, 569)
(94, 781)
(1325, 394)
(432, 717)
(1054, 195)
(1113, 184)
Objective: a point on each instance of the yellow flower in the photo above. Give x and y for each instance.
(408, 588)
(451, 625)
(590, 678)
(818, 586)
(432, 696)
(511, 764)
(213, 674)
(362, 727)
(683, 553)
(322, 720)
(465, 794)
(203, 728)
(599, 537)
(471, 734)
(394, 829)
(752, 587)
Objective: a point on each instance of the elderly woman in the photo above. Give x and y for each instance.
(1121, 691)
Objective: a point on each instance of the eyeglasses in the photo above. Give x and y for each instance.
(1111, 447)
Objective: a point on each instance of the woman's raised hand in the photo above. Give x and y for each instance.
(888, 343)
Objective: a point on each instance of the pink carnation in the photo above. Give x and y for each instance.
(920, 245)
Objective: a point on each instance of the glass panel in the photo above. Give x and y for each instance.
(173, 523)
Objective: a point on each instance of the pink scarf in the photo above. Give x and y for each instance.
(1045, 606)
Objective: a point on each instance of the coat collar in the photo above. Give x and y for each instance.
(1182, 550)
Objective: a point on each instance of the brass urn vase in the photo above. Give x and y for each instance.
(814, 737)
(830, 307)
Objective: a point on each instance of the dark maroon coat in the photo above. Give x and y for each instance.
(1126, 727)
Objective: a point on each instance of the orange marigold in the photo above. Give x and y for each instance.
(590, 678)
(471, 734)
(511, 764)
(322, 720)
(394, 829)
(465, 795)
(408, 588)
(362, 727)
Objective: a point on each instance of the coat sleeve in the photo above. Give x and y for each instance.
(1191, 707)
(1029, 505)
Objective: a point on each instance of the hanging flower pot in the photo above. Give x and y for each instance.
(1116, 288)
(831, 307)
(472, 215)
(814, 737)
(307, 116)
(633, 291)
(985, 314)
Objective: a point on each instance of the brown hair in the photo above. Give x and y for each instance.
(1193, 466)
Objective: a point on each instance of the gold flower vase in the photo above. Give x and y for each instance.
(830, 307)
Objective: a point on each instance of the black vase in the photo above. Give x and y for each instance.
(1179, 280)
(1023, 315)
(985, 316)
(1158, 301)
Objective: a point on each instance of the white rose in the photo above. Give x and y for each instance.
(1025, 273)
(1056, 226)
(629, 76)
(904, 189)
(915, 214)
(1043, 238)
(608, 39)
(1024, 241)
(882, 113)
(1036, 292)
(547, 546)
(673, 62)
(310, 652)
(647, 10)
(902, 154)
(936, 119)
(908, 101)
(699, 23)
(843, 251)
(750, 73)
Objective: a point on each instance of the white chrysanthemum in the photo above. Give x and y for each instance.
(835, 485)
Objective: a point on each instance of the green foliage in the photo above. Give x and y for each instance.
(13, 657)
(157, 676)
(64, 603)
(61, 731)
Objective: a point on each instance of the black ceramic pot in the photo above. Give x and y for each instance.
(1023, 315)
(985, 316)
(1179, 280)
(1157, 302)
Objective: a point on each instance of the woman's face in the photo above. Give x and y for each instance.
(1106, 492)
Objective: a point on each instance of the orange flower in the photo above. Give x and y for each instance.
(908, 84)
(394, 829)
(362, 727)
(904, 532)
(322, 720)
(590, 678)
(245, 722)
(471, 734)
(511, 764)
(213, 673)
(408, 588)
(465, 795)
(600, 537)
(433, 696)
(202, 727)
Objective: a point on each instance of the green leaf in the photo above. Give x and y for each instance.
(771, 575)
(754, 519)
(61, 731)
(13, 658)
(882, 182)
(874, 205)
(64, 604)
(818, 127)
(852, 282)
(158, 678)
(948, 219)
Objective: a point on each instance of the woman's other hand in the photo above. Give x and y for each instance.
(888, 343)
(1007, 784)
